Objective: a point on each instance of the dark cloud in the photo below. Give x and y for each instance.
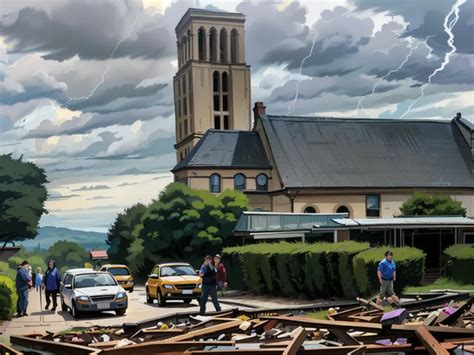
(127, 184)
(54, 195)
(99, 198)
(93, 187)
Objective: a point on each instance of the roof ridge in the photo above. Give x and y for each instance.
(354, 119)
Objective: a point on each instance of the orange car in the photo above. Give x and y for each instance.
(121, 273)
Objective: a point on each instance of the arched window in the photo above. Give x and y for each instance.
(189, 54)
(215, 82)
(234, 45)
(184, 52)
(215, 183)
(213, 45)
(224, 82)
(343, 209)
(309, 209)
(223, 46)
(202, 43)
(239, 182)
(262, 182)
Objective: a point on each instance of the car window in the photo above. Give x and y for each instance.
(119, 271)
(68, 279)
(103, 268)
(155, 270)
(177, 270)
(93, 280)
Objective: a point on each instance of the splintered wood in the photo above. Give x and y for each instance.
(436, 324)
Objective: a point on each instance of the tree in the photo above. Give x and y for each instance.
(22, 197)
(120, 236)
(423, 204)
(184, 223)
(67, 255)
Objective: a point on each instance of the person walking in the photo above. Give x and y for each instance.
(208, 273)
(51, 284)
(38, 279)
(23, 284)
(221, 276)
(387, 275)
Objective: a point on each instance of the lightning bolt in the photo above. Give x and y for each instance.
(292, 104)
(407, 57)
(448, 26)
(107, 68)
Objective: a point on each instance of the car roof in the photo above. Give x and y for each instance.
(114, 265)
(82, 271)
(173, 264)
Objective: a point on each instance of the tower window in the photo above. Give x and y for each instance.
(223, 46)
(226, 122)
(185, 127)
(215, 183)
(213, 45)
(239, 182)
(262, 182)
(184, 84)
(215, 82)
(202, 43)
(224, 82)
(234, 40)
(225, 102)
(217, 121)
(216, 103)
(185, 108)
(179, 108)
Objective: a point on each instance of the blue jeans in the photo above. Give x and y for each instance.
(205, 291)
(22, 300)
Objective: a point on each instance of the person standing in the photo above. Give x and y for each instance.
(221, 276)
(23, 284)
(387, 275)
(51, 284)
(38, 279)
(208, 273)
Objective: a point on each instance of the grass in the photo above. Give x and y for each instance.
(441, 283)
(323, 314)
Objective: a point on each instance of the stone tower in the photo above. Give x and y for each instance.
(212, 85)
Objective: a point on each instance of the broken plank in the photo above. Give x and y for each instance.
(51, 346)
(430, 342)
(162, 347)
(219, 328)
(299, 335)
(359, 351)
(343, 336)
(370, 303)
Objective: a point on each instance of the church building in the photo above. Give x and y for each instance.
(365, 168)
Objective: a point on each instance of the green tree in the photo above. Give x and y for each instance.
(120, 236)
(67, 255)
(22, 197)
(423, 204)
(184, 223)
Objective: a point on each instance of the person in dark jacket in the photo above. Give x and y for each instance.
(51, 284)
(208, 273)
(23, 284)
(221, 276)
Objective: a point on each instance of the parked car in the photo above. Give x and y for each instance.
(122, 275)
(84, 290)
(173, 281)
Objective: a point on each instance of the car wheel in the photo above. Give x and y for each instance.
(63, 306)
(149, 299)
(187, 301)
(161, 299)
(74, 312)
(131, 290)
(120, 312)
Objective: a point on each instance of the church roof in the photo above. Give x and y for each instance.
(226, 149)
(356, 153)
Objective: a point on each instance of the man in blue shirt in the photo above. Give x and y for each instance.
(208, 273)
(51, 284)
(23, 284)
(387, 275)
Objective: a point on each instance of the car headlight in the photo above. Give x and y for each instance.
(121, 295)
(83, 299)
(168, 286)
(199, 285)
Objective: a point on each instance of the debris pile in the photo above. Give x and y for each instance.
(433, 323)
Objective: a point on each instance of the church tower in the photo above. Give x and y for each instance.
(212, 85)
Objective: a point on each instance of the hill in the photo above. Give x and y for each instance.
(47, 236)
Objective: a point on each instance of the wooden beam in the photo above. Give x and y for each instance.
(219, 328)
(299, 335)
(343, 336)
(162, 347)
(359, 351)
(429, 341)
(51, 346)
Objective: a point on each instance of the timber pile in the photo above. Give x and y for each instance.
(440, 324)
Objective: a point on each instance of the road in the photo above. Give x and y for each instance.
(39, 320)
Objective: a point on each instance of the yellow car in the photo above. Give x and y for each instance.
(173, 281)
(121, 273)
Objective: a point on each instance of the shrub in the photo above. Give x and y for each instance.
(6, 270)
(459, 263)
(410, 268)
(8, 297)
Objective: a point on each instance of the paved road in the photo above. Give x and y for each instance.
(42, 320)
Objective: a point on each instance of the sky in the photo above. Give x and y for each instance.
(86, 86)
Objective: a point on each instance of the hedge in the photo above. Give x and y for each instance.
(8, 297)
(410, 268)
(459, 263)
(294, 269)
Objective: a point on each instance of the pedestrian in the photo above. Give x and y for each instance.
(387, 275)
(208, 273)
(23, 284)
(52, 279)
(38, 279)
(221, 276)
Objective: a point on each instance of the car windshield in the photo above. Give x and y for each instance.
(119, 271)
(177, 270)
(93, 280)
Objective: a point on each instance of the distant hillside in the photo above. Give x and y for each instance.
(47, 236)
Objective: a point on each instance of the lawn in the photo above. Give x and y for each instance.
(439, 284)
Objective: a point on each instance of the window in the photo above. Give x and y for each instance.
(309, 209)
(239, 182)
(185, 127)
(234, 40)
(215, 82)
(184, 84)
(343, 209)
(225, 103)
(226, 122)
(202, 43)
(185, 107)
(217, 121)
(372, 205)
(262, 182)
(223, 46)
(181, 130)
(216, 103)
(215, 183)
(179, 108)
(224, 82)
(213, 45)
(68, 280)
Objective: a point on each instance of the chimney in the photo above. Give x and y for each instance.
(258, 109)
(458, 115)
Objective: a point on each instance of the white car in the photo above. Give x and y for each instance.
(85, 290)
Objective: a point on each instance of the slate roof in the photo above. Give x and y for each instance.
(226, 149)
(329, 152)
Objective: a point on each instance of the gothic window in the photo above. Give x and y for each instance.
(202, 44)
(239, 182)
(223, 46)
(213, 45)
(234, 41)
(215, 183)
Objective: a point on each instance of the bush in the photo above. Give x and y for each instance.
(410, 268)
(459, 263)
(6, 270)
(294, 269)
(8, 297)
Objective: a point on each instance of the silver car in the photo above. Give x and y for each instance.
(85, 290)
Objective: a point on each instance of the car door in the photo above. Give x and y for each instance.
(153, 281)
(67, 292)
